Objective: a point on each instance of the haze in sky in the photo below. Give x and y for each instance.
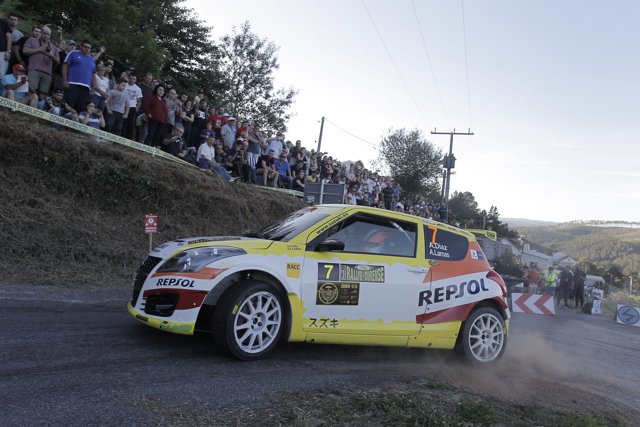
(552, 97)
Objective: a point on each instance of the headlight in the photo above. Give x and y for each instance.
(193, 260)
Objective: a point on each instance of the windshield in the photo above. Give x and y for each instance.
(290, 226)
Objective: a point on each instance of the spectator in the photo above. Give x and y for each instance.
(5, 46)
(243, 131)
(173, 108)
(19, 57)
(274, 142)
(199, 97)
(96, 54)
(78, 76)
(221, 158)
(156, 111)
(566, 282)
(134, 94)
(101, 87)
(442, 213)
(16, 34)
(187, 119)
(55, 105)
(236, 158)
(42, 55)
(284, 170)
(145, 86)
(313, 177)
(579, 287)
(218, 120)
(228, 132)
(57, 68)
(350, 197)
(109, 73)
(206, 155)
(267, 169)
(174, 144)
(206, 132)
(299, 181)
(550, 282)
(117, 107)
(16, 88)
(199, 121)
(387, 196)
(254, 145)
(91, 116)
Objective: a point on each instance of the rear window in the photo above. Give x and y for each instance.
(444, 245)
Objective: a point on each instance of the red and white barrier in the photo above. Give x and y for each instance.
(533, 304)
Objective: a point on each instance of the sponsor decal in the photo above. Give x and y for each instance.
(212, 239)
(332, 222)
(322, 323)
(175, 282)
(446, 293)
(476, 254)
(361, 273)
(433, 262)
(295, 247)
(293, 270)
(438, 250)
(161, 247)
(174, 327)
(330, 293)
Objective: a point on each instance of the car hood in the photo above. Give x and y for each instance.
(165, 250)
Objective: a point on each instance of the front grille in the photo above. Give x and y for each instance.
(149, 264)
(141, 275)
(161, 304)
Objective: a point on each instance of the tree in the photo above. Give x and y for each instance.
(412, 160)
(248, 63)
(463, 205)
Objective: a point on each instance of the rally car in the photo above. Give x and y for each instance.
(332, 274)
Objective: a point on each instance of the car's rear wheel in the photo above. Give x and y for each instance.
(248, 320)
(484, 337)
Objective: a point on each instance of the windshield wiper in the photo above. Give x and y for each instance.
(255, 234)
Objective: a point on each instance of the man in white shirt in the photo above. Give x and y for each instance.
(134, 94)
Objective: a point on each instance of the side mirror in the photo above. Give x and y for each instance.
(331, 245)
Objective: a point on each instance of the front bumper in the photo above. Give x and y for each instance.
(184, 328)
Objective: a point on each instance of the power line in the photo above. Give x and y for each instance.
(430, 66)
(466, 63)
(347, 132)
(394, 63)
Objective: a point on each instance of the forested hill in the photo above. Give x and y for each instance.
(602, 248)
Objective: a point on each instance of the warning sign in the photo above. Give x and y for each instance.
(151, 224)
(533, 304)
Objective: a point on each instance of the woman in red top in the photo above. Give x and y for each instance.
(155, 106)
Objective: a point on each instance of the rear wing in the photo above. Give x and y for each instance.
(491, 235)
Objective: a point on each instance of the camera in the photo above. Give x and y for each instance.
(53, 27)
(48, 49)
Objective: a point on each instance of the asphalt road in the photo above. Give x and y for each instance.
(78, 358)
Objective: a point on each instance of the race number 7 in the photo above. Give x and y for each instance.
(329, 272)
(433, 238)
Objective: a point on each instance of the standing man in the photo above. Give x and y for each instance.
(145, 86)
(566, 280)
(173, 109)
(218, 119)
(5, 46)
(42, 57)
(199, 122)
(16, 34)
(20, 57)
(78, 76)
(134, 95)
(228, 133)
(550, 282)
(578, 285)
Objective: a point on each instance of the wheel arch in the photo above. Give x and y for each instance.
(235, 279)
(490, 302)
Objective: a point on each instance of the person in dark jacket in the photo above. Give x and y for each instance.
(156, 109)
(566, 281)
(578, 286)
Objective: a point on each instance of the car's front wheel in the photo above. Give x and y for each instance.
(484, 337)
(248, 320)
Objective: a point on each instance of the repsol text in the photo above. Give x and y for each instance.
(446, 293)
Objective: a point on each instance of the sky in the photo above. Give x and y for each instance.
(550, 89)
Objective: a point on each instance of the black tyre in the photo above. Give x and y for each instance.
(248, 320)
(484, 337)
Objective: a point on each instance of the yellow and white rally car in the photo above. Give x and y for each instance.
(332, 274)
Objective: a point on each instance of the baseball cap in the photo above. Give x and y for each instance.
(71, 41)
(18, 67)
(225, 115)
(231, 118)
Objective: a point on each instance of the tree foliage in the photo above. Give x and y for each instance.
(248, 63)
(412, 160)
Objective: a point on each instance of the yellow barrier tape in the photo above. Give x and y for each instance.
(89, 130)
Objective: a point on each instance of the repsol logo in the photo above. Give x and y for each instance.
(445, 293)
(185, 283)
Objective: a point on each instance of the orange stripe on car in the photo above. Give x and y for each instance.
(204, 274)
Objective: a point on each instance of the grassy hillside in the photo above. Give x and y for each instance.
(605, 247)
(72, 210)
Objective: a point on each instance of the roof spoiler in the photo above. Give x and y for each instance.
(486, 233)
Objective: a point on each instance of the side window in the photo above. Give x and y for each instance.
(375, 235)
(444, 245)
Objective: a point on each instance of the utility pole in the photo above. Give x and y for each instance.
(450, 161)
(320, 138)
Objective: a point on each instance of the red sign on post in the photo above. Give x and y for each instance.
(151, 224)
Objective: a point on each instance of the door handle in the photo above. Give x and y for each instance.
(418, 269)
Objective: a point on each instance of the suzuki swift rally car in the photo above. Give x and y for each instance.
(330, 274)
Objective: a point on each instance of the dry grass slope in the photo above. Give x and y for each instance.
(72, 210)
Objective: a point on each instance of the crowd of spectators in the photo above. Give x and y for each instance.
(79, 83)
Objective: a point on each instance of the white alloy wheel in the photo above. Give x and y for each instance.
(257, 322)
(484, 336)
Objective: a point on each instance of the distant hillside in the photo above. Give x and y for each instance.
(72, 210)
(604, 247)
(523, 222)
